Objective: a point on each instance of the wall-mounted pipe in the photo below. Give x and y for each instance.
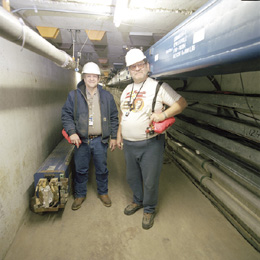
(60, 11)
(211, 171)
(239, 205)
(17, 32)
(247, 224)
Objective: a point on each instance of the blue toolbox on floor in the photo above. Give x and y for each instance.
(52, 179)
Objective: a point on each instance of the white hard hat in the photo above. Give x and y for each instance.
(133, 56)
(91, 68)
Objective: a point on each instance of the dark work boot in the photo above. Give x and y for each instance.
(148, 220)
(77, 203)
(132, 208)
(105, 200)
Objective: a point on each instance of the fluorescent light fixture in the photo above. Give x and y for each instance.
(120, 10)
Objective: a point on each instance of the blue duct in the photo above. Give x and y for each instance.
(222, 37)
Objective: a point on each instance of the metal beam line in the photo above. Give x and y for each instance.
(212, 41)
(239, 128)
(239, 150)
(232, 101)
(237, 171)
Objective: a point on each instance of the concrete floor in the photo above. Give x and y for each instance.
(187, 226)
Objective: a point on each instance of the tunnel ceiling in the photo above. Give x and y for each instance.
(89, 27)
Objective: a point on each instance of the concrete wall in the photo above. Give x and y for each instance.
(32, 92)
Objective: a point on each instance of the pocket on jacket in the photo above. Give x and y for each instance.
(82, 125)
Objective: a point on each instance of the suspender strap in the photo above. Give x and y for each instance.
(156, 92)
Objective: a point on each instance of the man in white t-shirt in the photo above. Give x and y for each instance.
(144, 153)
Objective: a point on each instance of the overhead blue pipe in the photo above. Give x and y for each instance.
(222, 37)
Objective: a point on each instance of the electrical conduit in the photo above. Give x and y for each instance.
(238, 204)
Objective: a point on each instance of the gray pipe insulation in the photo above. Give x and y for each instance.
(248, 198)
(14, 30)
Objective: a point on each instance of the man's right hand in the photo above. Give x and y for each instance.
(119, 141)
(75, 140)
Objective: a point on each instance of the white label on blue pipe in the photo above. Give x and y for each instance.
(199, 36)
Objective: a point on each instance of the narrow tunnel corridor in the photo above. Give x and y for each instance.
(187, 225)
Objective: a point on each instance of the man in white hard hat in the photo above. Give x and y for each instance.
(90, 118)
(144, 153)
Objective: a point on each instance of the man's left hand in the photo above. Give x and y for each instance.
(157, 117)
(112, 144)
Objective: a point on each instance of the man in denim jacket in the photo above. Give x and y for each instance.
(91, 128)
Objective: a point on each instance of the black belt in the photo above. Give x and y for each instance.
(91, 137)
(158, 137)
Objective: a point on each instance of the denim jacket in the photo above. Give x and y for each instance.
(79, 125)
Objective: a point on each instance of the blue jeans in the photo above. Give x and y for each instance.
(82, 157)
(143, 167)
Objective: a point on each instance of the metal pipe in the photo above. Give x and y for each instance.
(210, 170)
(16, 31)
(223, 45)
(237, 203)
(59, 11)
(246, 222)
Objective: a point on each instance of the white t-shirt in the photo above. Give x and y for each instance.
(135, 122)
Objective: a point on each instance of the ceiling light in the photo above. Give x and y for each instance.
(120, 10)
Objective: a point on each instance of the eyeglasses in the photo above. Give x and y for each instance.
(135, 66)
